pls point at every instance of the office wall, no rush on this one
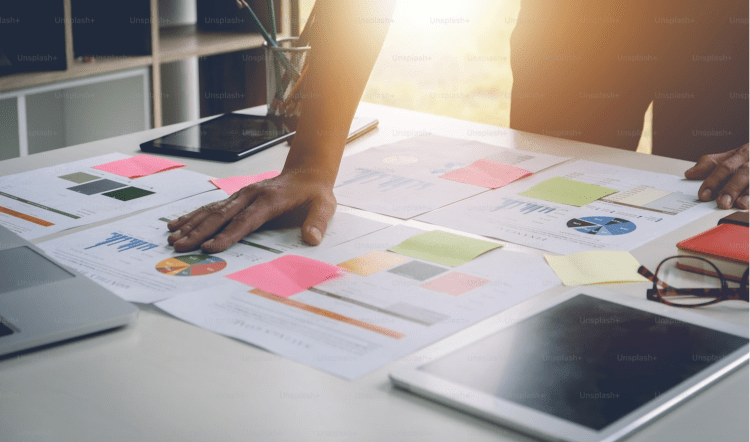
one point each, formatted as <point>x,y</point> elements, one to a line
<point>8,129</point>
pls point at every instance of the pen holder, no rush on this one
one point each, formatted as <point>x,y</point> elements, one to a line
<point>284,67</point>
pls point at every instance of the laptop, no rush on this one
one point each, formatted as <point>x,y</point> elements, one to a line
<point>43,302</point>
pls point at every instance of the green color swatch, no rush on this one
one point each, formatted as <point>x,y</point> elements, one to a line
<point>565,191</point>
<point>79,177</point>
<point>128,193</point>
<point>444,248</point>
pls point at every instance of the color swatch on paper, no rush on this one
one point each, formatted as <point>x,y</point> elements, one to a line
<point>287,276</point>
<point>94,187</point>
<point>231,185</point>
<point>128,193</point>
<point>567,191</point>
<point>596,267</point>
<point>372,262</point>
<point>138,166</point>
<point>79,177</point>
<point>444,248</point>
<point>486,173</point>
<point>419,271</point>
<point>455,283</point>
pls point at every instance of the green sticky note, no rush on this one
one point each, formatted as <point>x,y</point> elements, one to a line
<point>596,267</point>
<point>444,248</point>
<point>565,191</point>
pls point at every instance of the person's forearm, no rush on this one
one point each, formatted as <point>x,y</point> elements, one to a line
<point>345,43</point>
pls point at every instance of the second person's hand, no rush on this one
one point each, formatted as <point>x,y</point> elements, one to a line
<point>217,226</point>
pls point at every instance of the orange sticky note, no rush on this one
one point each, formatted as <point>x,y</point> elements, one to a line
<point>233,184</point>
<point>372,262</point>
<point>486,173</point>
<point>288,275</point>
<point>138,166</point>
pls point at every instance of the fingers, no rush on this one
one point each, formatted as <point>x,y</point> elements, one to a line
<point>742,202</point>
<point>706,165</point>
<point>724,174</point>
<point>732,190</point>
<point>209,221</point>
<point>314,228</point>
<point>247,221</point>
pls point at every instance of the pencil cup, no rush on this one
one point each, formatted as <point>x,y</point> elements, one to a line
<point>284,68</point>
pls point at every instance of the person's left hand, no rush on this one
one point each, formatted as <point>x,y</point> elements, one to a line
<point>725,178</point>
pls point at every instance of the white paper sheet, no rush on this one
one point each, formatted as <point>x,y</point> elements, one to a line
<point>396,315</point>
<point>402,179</point>
<point>647,206</point>
<point>129,256</point>
<point>43,201</point>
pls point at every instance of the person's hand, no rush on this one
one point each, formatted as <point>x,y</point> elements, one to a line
<point>725,178</point>
<point>217,226</point>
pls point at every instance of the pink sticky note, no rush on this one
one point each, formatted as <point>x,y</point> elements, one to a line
<point>486,173</point>
<point>138,166</point>
<point>235,183</point>
<point>288,275</point>
<point>455,283</point>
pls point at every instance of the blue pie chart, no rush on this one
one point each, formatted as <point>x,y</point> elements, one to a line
<point>602,225</point>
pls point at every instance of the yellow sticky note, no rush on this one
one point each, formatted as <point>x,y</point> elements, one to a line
<point>372,262</point>
<point>596,267</point>
<point>567,191</point>
<point>444,248</point>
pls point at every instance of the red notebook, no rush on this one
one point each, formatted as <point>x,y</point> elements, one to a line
<point>726,245</point>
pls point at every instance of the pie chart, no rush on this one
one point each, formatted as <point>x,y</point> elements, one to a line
<point>191,265</point>
<point>602,225</point>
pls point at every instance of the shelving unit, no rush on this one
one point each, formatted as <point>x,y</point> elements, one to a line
<point>180,43</point>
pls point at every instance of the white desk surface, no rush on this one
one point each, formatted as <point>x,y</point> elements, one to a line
<point>163,379</point>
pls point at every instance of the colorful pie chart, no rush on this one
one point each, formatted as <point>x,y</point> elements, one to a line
<point>191,265</point>
<point>602,225</point>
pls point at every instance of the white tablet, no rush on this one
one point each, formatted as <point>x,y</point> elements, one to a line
<point>591,365</point>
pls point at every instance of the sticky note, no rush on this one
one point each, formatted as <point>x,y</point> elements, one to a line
<point>287,276</point>
<point>232,184</point>
<point>444,248</point>
<point>455,283</point>
<point>486,173</point>
<point>567,191</point>
<point>372,262</point>
<point>596,267</point>
<point>138,166</point>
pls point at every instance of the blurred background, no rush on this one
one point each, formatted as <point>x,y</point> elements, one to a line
<point>462,67</point>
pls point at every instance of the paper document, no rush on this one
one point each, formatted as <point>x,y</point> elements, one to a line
<point>384,309</point>
<point>231,185</point>
<point>52,199</point>
<point>131,257</point>
<point>646,205</point>
<point>403,180</point>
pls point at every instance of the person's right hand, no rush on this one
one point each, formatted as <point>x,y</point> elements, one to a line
<point>725,177</point>
<point>217,226</point>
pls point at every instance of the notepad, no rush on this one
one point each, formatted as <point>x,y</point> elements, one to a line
<point>138,166</point>
<point>596,267</point>
<point>288,275</point>
<point>444,248</point>
<point>567,191</point>
<point>486,173</point>
<point>231,185</point>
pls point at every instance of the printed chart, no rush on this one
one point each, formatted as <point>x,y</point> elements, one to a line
<point>602,225</point>
<point>191,265</point>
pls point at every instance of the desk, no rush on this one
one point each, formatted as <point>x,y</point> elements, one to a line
<point>163,379</point>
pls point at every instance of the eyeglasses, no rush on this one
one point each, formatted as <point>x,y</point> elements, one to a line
<point>692,281</point>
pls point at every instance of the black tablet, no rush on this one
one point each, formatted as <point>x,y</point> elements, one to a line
<point>232,137</point>
<point>229,137</point>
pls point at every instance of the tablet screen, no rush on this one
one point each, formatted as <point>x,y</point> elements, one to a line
<point>586,360</point>
<point>231,133</point>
